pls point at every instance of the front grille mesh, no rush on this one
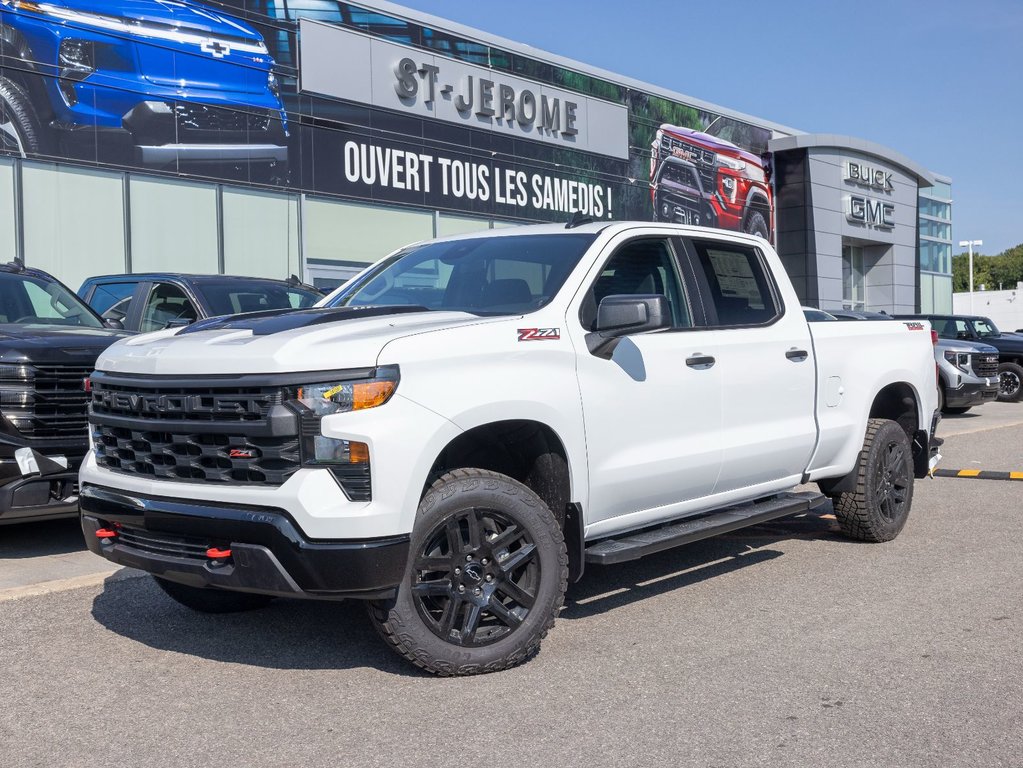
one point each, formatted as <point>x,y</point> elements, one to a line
<point>200,117</point>
<point>163,543</point>
<point>45,401</point>
<point>985,366</point>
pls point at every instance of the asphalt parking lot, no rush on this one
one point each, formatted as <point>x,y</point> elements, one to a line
<point>780,645</point>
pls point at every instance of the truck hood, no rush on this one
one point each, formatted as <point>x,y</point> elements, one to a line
<point>182,15</point>
<point>286,341</point>
<point>712,143</point>
<point>54,344</point>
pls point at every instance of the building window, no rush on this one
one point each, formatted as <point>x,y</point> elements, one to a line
<point>260,233</point>
<point>7,244</point>
<point>74,221</point>
<point>174,226</point>
<point>853,296</point>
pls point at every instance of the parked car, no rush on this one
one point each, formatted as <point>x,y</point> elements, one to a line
<point>49,341</point>
<point>981,330</point>
<point>151,301</point>
<point>454,433</point>
<point>814,315</point>
<point>146,83</point>
<point>968,374</point>
<point>858,314</point>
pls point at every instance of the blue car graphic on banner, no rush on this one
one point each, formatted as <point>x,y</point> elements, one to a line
<point>172,85</point>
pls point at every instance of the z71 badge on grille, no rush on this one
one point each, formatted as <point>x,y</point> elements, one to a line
<point>539,334</point>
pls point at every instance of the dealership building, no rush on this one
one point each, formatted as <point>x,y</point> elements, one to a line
<point>312,137</point>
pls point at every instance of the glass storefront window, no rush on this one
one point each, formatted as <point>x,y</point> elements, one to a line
<point>937,229</point>
<point>853,295</point>
<point>74,221</point>
<point>173,226</point>
<point>260,233</point>
<point>459,225</point>
<point>7,243</point>
<point>352,234</point>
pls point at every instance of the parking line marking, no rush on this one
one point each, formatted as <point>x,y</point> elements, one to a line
<point>978,474</point>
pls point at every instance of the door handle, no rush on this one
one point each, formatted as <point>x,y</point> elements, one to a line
<point>796,355</point>
<point>700,361</point>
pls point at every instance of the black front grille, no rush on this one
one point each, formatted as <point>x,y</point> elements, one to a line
<point>233,404</point>
<point>702,158</point>
<point>225,434</point>
<point>225,458</point>
<point>45,401</point>
<point>985,366</point>
<point>163,543</point>
<point>200,117</point>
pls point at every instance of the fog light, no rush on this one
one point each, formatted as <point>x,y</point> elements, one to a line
<point>77,61</point>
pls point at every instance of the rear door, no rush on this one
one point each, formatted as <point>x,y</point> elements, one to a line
<point>764,358</point>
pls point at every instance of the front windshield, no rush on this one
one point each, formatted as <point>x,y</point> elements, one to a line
<point>29,300</point>
<point>233,297</point>
<point>503,275</point>
<point>985,328</point>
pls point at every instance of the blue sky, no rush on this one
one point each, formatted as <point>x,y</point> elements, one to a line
<point>939,81</point>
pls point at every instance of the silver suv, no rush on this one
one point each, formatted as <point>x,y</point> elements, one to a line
<point>968,374</point>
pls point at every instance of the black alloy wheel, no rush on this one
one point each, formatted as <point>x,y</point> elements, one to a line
<point>475,578</point>
<point>892,481</point>
<point>1010,382</point>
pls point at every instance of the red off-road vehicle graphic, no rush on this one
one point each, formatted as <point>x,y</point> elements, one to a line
<point>701,179</point>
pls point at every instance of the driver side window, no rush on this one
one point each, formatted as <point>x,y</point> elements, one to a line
<point>640,267</point>
<point>167,304</point>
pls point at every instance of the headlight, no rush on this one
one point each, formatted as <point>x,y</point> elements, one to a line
<point>960,360</point>
<point>730,162</point>
<point>329,397</point>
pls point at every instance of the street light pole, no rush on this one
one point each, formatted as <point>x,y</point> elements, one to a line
<point>969,244</point>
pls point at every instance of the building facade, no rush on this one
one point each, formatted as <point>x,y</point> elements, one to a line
<point>312,137</point>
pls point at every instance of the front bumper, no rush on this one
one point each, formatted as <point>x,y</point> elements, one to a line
<point>269,553</point>
<point>969,395</point>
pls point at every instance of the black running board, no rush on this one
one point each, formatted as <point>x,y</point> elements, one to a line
<point>632,546</point>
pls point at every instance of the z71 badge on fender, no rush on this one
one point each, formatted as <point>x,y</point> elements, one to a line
<point>539,334</point>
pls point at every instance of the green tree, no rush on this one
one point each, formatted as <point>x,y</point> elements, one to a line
<point>1005,269</point>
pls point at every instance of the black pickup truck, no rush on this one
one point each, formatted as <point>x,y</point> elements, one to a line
<point>152,301</point>
<point>49,342</point>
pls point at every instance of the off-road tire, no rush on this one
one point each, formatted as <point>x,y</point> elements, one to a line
<point>756,223</point>
<point>212,600</point>
<point>422,621</point>
<point>877,509</point>
<point>1010,382</point>
<point>16,108</point>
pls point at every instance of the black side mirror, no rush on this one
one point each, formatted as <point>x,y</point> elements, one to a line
<point>179,322</point>
<point>113,323</point>
<point>624,315</point>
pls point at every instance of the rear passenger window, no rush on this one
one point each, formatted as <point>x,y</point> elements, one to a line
<point>741,292</point>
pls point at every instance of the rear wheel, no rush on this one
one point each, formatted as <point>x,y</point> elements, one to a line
<point>486,577</point>
<point>877,508</point>
<point>1010,382</point>
<point>212,600</point>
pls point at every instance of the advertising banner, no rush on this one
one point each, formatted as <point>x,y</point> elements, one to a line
<point>334,99</point>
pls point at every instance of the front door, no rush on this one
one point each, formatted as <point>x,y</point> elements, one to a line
<point>652,416</point>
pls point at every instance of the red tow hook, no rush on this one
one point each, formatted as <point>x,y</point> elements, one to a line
<point>213,553</point>
<point>106,533</point>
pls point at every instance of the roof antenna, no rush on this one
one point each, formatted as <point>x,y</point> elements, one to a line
<point>578,219</point>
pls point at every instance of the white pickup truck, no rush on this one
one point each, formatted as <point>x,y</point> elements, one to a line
<point>454,433</point>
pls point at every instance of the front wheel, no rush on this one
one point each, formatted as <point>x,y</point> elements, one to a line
<point>1010,382</point>
<point>21,131</point>
<point>877,508</point>
<point>486,577</point>
<point>756,224</point>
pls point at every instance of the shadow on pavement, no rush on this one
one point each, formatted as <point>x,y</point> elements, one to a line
<point>297,634</point>
<point>604,588</point>
<point>288,634</point>
<point>50,537</point>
